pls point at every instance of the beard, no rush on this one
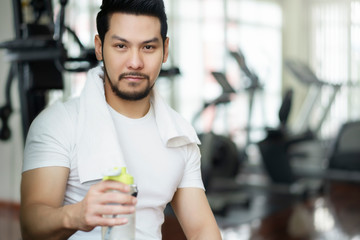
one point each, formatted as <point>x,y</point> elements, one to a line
<point>130,95</point>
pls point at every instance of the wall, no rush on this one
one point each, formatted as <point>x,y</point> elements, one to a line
<point>11,151</point>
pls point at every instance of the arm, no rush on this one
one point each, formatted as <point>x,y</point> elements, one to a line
<point>43,215</point>
<point>194,214</point>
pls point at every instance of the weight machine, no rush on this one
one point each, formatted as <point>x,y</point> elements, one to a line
<point>38,59</point>
<point>221,160</point>
<point>296,159</point>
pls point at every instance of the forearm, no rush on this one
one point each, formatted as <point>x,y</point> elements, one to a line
<point>208,230</point>
<point>39,221</point>
<point>210,233</point>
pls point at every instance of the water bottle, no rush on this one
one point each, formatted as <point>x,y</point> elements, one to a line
<point>125,231</point>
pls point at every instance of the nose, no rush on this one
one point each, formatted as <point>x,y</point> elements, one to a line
<point>135,60</point>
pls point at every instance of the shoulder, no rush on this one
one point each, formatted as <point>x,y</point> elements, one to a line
<point>51,137</point>
<point>57,118</point>
<point>59,111</point>
<point>184,129</point>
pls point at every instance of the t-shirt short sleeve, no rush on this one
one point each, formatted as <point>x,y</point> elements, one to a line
<point>48,140</point>
<point>192,173</point>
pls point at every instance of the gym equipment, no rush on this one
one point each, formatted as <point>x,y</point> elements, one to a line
<point>38,58</point>
<point>274,148</point>
<point>220,159</point>
<point>312,145</point>
<point>253,86</point>
<point>345,154</point>
<point>306,76</point>
<point>219,153</point>
<point>6,110</point>
<point>342,160</point>
<point>278,151</point>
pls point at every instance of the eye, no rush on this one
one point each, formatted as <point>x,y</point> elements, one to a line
<point>149,47</point>
<point>121,46</point>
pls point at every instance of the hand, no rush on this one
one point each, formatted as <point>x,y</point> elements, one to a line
<point>100,200</point>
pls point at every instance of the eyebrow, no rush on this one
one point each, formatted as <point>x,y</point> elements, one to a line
<point>155,39</point>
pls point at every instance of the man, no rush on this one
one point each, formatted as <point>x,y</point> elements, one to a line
<point>119,120</point>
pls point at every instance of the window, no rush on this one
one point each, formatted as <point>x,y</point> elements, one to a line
<point>335,57</point>
<point>204,31</point>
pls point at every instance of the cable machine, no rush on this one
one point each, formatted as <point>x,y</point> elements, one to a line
<point>38,58</point>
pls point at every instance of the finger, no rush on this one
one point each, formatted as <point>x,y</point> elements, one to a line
<point>103,221</point>
<point>107,185</point>
<point>113,210</point>
<point>117,197</point>
<point>100,215</point>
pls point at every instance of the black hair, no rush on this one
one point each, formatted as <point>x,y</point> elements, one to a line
<point>153,8</point>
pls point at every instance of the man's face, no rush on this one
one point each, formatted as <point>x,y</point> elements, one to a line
<point>133,53</point>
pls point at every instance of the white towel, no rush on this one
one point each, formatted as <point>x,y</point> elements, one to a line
<point>97,143</point>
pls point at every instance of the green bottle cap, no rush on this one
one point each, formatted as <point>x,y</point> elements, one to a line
<point>120,176</point>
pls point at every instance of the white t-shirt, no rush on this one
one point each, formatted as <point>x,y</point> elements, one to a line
<point>158,169</point>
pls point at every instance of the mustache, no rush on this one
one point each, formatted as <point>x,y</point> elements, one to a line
<point>133,74</point>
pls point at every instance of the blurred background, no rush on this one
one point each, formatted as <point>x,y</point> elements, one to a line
<point>271,86</point>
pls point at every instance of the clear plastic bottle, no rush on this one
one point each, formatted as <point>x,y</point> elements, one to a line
<point>126,231</point>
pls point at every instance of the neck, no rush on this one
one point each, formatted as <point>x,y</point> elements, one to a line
<point>130,109</point>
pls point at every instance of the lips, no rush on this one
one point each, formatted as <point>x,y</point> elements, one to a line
<point>133,77</point>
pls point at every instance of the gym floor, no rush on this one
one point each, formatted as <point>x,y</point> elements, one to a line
<point>333,215</point>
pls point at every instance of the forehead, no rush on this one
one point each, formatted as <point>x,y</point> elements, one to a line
<point>134,26</point>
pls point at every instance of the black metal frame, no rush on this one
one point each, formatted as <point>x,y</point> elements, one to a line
<point>32,53</point>
<point>37,57</point>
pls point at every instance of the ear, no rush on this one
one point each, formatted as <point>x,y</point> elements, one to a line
<point>166,50</point>
<point>98,48</point>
